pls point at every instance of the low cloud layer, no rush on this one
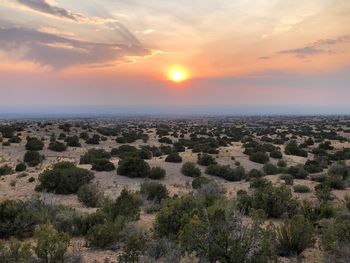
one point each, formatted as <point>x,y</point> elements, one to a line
<point>60,52</point>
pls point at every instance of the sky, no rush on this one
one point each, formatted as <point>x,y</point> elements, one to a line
<point>246,56</point>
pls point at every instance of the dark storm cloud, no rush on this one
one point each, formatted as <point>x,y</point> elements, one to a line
<point>44,7</point>
<point>60,52</point>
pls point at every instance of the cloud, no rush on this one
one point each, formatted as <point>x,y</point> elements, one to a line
<point>304,51</point>
<point>44,7</point>
<point>61,51</point>
<point>321,46</point>
<point>264,57</point>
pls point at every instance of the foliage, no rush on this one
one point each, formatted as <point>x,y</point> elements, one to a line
<point>226,172</point>
<point>133,167</point>
<point>90,195</point>
<point>5,170</point>
<point>64,178</point>
<point>57,146</point>
<point>50,244</point>
<point>190,169</point>
<point>198,182</point>
<point>270,169</point>
<point>294,236</point>
<point>157,173</point>
<point>154,191</point>
<point>301,188</point>
<point>34,144</point>
<point>32,158</point>
<point>103,165</point>
<point>20,167</point>
<point>16,252</point>
<point>93,155</point>
<point>205,159</point>
<point>173,157</point>
<point>259,157</point>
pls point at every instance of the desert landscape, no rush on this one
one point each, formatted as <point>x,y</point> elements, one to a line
<point>77,176</point>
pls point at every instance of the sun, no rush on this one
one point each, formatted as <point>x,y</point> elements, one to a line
<point>177,74</point>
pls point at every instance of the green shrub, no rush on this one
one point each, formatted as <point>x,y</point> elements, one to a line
<point>298,172</point>
<point>154,191</point>
<point>258,182</point>
<point>90,195</point>
<point>34,144</point>
<point>288,179</point>
<point>198,182</point>
<point>16,252</point>
<point>32,158</point>
<point>292,148</point>
<point>134,246</point>
<point>57,146</point>
<point>93,155</point>
<point>281,163</point>
<point>133,167</point>
<point>276,154</point>
<point>126,205</point>
<point>301,189</point>
<point>323,192</point>
<point>205,159</point>
<point>173,157</point>
<point>226,172</point>
<point>50,245</point>
<point>339,169</point>
<point>103,165</point>
<point>157,173</point>
<point>255,173</point>
<point>64,178</point>
<point>294,236</point>
<point>73,141</point>
<point>106,234</point>
<point>190,169</point>
<point>21,167</point>
<point>5,170</point>
<point>259,157</point>
<point>270,169</point>
<point>335,182</point>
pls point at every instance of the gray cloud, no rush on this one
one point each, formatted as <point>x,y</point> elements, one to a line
<point>321,46</point>
<point>44,7</point>
<point>60,52</point>
<point>304,51</point>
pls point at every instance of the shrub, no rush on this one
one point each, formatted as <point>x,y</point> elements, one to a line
<point>21,167</point>
<point>339,169</point>
<point>50,245</point>
<point>31,179</point>
<point>335,182</point>
<point>205,159</point>
<point>34,144</point>
<point>293,149</point>
<point>198,182</point>
<point>313,166</point>
<point>73,141</point>
<point>288,179</point>
<point>275,201</point>
<point>5,170</point>
<point>255,173</point>
<point>190,169</point>
<point>157,173</point>
<point>276,154</point>
<point>64,178</point>
<point>103,165</point>
<point>173,157</point>
<point>93,155</point>
<point>301,189</point>
<point>281,163</point>
<point>106,234</point>
<point>259,157</point>
<point>134,247</point>
<point>294,236</point>
<point>226,172</point>
<point>16,252</point>
<point>270,169</point>
<point>90,195</point>
<point>153,191</point>
<point>298,172</point>
<point>133,167</point>
<point>323,192</point>
<point>32,158</point>
<point>126,205</point>
<point>57,146</point>
<point>258,182</point>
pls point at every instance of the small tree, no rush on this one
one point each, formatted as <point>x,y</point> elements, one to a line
<point>157,173</point>
<point>50,245</point>
<point>173,157</point>
<point>133,167</point>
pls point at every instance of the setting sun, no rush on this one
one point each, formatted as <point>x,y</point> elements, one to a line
<point>177,74</point>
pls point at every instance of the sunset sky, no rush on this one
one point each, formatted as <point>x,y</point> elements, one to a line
<point>241,54</point>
